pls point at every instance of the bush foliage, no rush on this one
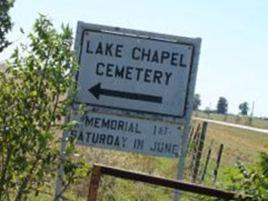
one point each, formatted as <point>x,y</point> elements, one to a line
<point>32,104</point>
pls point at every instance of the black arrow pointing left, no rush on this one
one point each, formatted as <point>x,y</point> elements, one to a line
<point>96,91</point>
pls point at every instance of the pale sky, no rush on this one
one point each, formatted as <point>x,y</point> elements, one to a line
<point>233,61</point>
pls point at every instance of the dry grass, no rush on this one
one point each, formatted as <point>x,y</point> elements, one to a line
<point>238,144</point>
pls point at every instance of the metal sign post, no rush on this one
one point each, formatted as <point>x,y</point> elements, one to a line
<point>60,173</point>
<point>181,161</point>
<point>189,109</point>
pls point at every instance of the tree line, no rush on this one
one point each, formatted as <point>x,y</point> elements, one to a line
<point>222,106</point>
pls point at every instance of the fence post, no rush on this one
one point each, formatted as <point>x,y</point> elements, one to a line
<point>199,151</point>
<point>207,162</point>
<point>94,183</point>
<point>218,163</point>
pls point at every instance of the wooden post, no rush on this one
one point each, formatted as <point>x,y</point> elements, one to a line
<point>206,165</point>
<point>207,162</point>
<point>199,151</point>
<point>94,183</point>
<point>218,163</point>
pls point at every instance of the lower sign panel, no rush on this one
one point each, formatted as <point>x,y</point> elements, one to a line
<point>127,134</point>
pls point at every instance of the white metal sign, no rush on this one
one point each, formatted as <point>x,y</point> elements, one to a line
<point>137,73</point>
<point>134,72</point>
<point>127,134</point>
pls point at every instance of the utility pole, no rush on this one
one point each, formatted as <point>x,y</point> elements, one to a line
<point>252,113</point>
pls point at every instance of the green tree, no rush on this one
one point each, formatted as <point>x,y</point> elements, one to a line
<point>196,101</point>
<point>222,105</point>
<point>5,22</point>
<point>243,107</point>
<point>32,104</point>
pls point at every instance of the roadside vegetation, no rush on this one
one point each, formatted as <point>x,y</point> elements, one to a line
<point>36,79</point>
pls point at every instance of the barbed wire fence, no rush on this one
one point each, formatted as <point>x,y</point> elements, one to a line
<point>204,156</point>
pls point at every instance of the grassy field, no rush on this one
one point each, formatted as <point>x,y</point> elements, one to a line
<point>243,120</point>
<point>238,145</point>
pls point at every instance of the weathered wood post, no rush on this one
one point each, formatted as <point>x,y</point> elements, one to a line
<point>207,162</point>
<point>218,163</point>
<point>94,183</point>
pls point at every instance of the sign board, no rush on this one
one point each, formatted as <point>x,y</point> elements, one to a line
<point>144,74</point>
<point>127,134</point>
<point>134,71</point>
